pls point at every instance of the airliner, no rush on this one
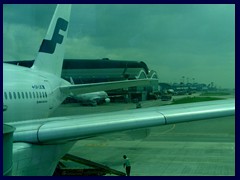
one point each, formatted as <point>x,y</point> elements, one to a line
<point>93,98</point>
<point>30,95</point>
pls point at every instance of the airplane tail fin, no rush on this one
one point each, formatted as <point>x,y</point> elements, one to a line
<point>51,53</point>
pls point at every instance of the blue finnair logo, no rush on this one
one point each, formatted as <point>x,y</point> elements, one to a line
<point>48,46</point>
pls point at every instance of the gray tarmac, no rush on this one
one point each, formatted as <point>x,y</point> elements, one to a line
<point>199,148</point>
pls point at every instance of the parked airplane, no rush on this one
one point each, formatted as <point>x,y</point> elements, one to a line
<point>31,94</point>
<point>92,99</point>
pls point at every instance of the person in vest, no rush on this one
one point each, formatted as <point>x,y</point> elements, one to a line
<point>127,165</point>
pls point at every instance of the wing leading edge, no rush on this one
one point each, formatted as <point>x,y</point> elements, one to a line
<point>78,127</point>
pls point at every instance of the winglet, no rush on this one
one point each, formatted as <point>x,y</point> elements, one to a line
<point>51,53</point>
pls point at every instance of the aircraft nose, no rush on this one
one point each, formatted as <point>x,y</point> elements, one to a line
<point>107,100</point>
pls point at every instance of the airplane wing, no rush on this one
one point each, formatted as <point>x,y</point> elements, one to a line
<point>94,87</point>
<point>78,127</point>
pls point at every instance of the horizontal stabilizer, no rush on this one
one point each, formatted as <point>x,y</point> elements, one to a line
<point>95,87</point>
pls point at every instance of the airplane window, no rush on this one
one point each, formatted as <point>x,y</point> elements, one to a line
<point>30,95</point>
<point>26,95</point>
<point>19,97</point>
<point>45,94</point>
<point>5,95</point>
<point>14,95</point>
<point>40,94</point>
<point>34,95</point>
<point>37,94</point>
<point>22,95</point>
<point>10,95</point>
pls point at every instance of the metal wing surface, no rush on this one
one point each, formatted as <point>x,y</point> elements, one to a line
<point>78,127</point>
<point>94,87</point>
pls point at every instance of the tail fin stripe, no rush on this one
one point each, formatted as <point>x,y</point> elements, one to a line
<point>48,46</point>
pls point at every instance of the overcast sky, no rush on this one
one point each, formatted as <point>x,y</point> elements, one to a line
<point>195,41</point>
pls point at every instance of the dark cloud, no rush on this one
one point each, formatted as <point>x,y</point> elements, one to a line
<point>28,14</point>
<point>175,40</point>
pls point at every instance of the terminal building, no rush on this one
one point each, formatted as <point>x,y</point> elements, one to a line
<point>84,71</point>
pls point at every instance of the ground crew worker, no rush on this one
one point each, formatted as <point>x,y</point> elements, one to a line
<point>127,165</point>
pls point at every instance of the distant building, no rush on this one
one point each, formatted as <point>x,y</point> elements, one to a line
<point>103,70</point>
<point>188,88</point>
<point>163,87</point>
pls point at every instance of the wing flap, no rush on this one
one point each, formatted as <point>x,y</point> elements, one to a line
<point>78,127</point>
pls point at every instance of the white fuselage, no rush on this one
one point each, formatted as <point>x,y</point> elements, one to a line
<point>29,94</point>
<point>93,98</point>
